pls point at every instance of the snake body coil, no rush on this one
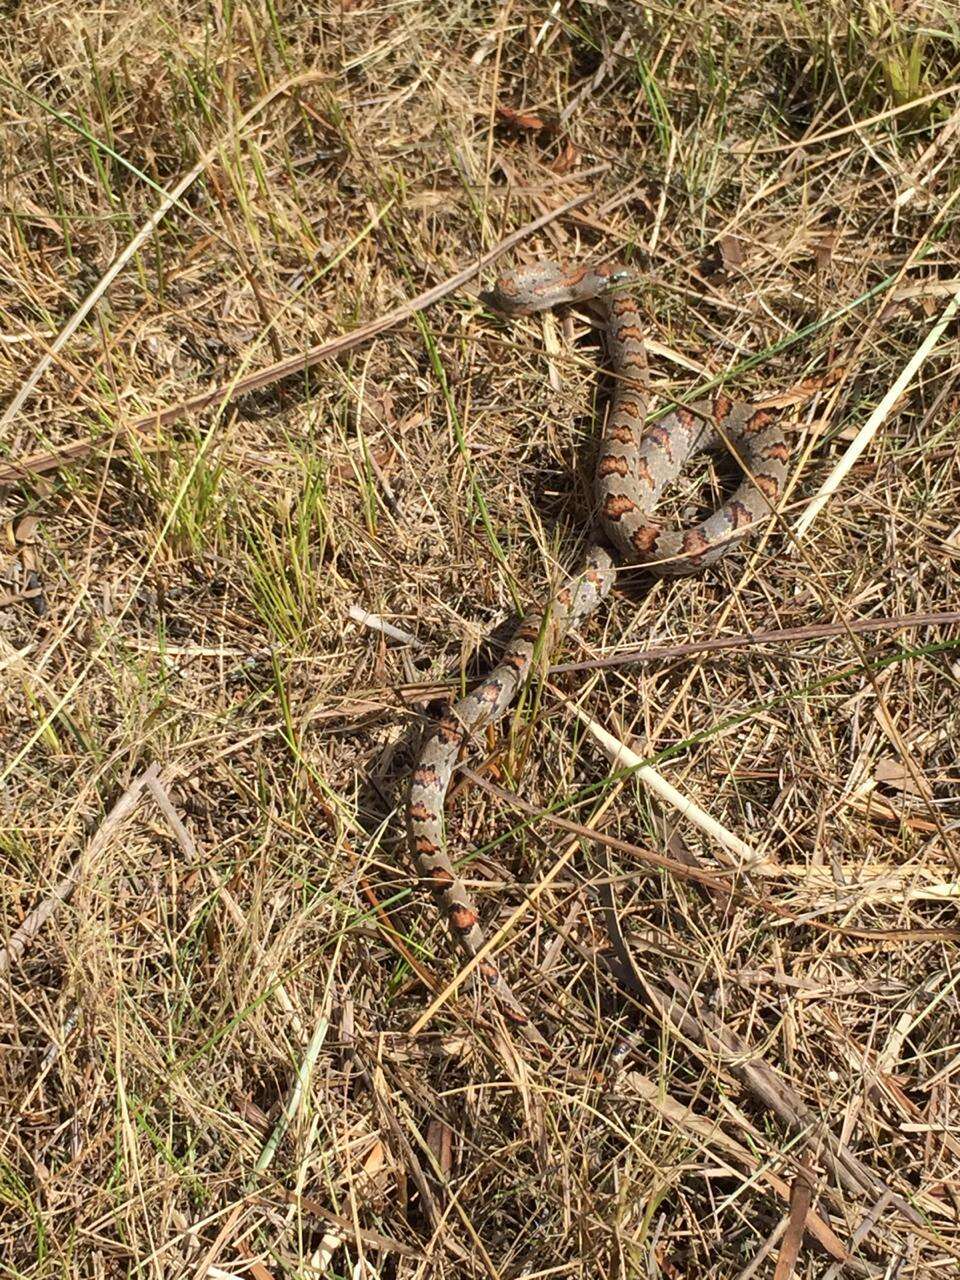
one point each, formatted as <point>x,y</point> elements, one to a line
<point>637,460</point>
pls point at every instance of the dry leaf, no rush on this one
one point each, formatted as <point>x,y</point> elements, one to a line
<point>823,250</point>
<point>521,119</point>
<point>894,773</point>
<point>25,529</point>
<point>440,1142</point>
<point>731,251</point>
<point>567,159</point>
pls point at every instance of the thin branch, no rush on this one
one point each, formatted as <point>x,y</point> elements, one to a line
<point>170,199</point>
<point>37,918</point>
<point>226,392</point>
<point>786,635</point>
<point>876,419</point>
<point>717,881</point>
<point>621,757</point>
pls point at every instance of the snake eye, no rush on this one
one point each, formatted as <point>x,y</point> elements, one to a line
<point>616,278</point>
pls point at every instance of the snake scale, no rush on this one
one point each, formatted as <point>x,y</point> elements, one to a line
<point>637,461</point>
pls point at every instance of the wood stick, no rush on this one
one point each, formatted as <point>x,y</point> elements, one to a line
<point>876,419</point>
<point>170,198</point>
<point>744,856</point>
<point>37,918</point>
<point>786,635</point>
<point>225,392</point>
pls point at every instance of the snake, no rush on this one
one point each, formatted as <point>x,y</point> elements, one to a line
<point>638,459</point>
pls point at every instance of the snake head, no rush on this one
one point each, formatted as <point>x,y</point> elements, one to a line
<point>538,286</point>
<point>535,286</point>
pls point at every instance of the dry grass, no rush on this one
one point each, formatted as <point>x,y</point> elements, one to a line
<point>207,1040</point>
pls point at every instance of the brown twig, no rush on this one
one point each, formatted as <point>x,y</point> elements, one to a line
<point>716,880</point>
<point>682,1009</point>
<point>37,918</point>
<point>226,392</point>
<point>714,1139</point>
<point>801,1197</point>
<point>786,635</point>
<point>373,1239</point>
